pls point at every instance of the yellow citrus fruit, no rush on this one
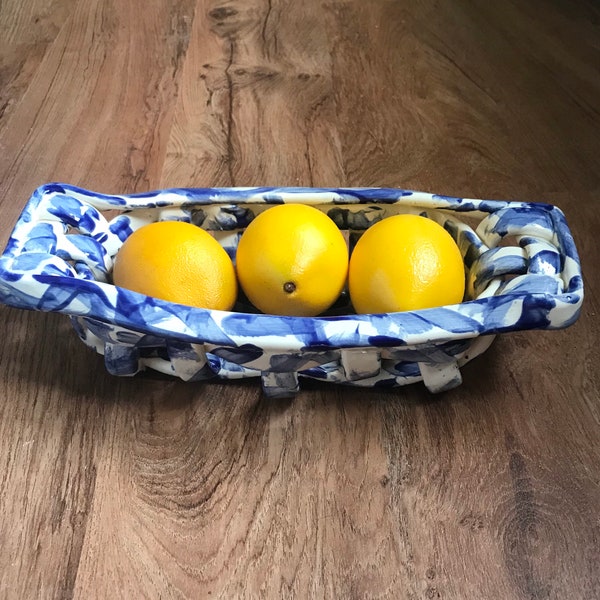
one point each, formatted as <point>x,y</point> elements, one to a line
<point>178,262</point>
<point>405,262</point>
<point>292,260</point>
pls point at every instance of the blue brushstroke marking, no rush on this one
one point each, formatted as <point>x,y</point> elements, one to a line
<point>421,322</point>
<point>11,246</point>
<point>316,372</point>
<point>30,262</point>
<point>345,218</point>
<point>74,213</point>
<point>535,312</point>
<point>248,325</point>
<point>45,270</point>
<point>9,275</point>
<point>545,261</point>
<point>90,247</point>
<point>383,341</point>
<point>245,353</point>
<point>83,271</point>
<point>565,238</point>
<point>366,195</point>
<point>487,206</point>
<point>297,361</point>
<point>404,369</point>
<point>214,362</point>
<point>42,238</point>
<point>534,284</point>
<point>233,217</point>
<point>548,260</point>
<point>56,298</point>
<point>497,318</point>
<point>575,284</point>
<point>54,188</point>
<point>121,227</point>
<point>121,360</point>
<point>273,198</point>
<point>88,294</point>
<point>491,267</point>
<point>522,217</point>
<point>63,188</point>
<point>449,199</point>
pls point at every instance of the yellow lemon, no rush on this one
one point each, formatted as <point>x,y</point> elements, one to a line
<point>292,260</point>
<point>405,262</point>
<point>178,262</point>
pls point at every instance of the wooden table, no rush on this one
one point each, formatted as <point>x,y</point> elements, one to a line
<point>154,488</point>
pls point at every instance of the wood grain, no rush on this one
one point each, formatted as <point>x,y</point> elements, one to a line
<point>153,488</point>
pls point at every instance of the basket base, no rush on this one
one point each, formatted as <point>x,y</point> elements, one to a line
<point>127,352</point>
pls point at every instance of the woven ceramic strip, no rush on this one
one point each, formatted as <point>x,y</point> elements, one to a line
<point>522,269</point>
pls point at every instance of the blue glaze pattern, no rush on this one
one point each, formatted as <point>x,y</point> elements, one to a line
<point>522,270</point>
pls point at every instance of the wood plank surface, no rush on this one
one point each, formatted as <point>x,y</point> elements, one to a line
<point>154,488</point>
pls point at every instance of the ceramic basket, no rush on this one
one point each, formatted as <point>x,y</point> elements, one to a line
<point>522,270</point>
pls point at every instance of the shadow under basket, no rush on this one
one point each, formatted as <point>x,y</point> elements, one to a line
<point>521,264</point>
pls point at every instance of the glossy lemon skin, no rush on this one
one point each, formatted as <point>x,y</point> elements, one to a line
<point>405,262</point>
<point>178,262</point>
<point>292,260</point>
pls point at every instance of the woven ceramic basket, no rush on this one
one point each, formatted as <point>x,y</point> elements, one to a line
<point>522,267</point>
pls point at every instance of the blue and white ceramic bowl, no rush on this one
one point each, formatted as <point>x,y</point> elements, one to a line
<point>523,272</point>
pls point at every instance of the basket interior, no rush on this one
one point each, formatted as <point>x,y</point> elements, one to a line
<point>226,224</point>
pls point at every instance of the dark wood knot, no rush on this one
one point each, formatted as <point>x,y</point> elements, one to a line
<point>222,12</point>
